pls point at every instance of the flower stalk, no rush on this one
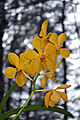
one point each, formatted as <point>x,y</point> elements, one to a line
<point>27,99</point>
<point>43,90</point>
<point>23,105</point>
<point>27,76</point>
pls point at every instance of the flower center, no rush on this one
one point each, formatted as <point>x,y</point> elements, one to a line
<point>19,70</point>
<point>43,58</point>
<point>57,49</point>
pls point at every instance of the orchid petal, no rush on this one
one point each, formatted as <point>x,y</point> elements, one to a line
<point>20,79</point>
<point>61,38</point>
<point>10,72</point>
<point>53,39</point>
<point>13,59</point>
<point>37,44</point>
<point>64,52</point>
<point>43,29</point>
<point>44,81</point>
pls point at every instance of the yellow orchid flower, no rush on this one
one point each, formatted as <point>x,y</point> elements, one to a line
<point>21,68</point>
<point>44,59</point>
<point>54,96</point>
<point>43,34</point>
<point>62,37</point>
<point>49,75</point>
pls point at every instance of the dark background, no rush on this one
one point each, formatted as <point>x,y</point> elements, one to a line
<point>20,22</point>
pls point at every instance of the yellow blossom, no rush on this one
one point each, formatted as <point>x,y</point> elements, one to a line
<point>21,67</point>
<point>49,75</point>
<point>43,59</point>
<point>62,37</point>
<point>52,38</point>
<point>54,96</point>
<point>43,34</point>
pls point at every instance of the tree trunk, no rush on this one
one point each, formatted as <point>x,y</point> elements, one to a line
<point>64,60</point>
<point>2,27</point>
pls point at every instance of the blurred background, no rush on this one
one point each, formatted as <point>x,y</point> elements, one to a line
<point>20,22</point>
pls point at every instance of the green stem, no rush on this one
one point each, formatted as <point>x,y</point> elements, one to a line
<point>28,98</point>
<point>23,105</point>
<point>35,81</point>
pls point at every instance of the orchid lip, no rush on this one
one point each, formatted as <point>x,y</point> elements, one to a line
<point>19,71</point>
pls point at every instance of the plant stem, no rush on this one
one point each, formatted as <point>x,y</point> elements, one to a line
<point>27,76</point>
<point>27,99</point>
<point>23,105</point>
<point>35,81</point>
<point>43,90</point>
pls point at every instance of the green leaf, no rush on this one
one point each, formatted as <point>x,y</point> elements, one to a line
<point>16,119</point>
<point>33,108</point>
<point>5,98</point>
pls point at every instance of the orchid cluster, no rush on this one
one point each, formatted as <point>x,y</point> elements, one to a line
<point>44,57</point>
